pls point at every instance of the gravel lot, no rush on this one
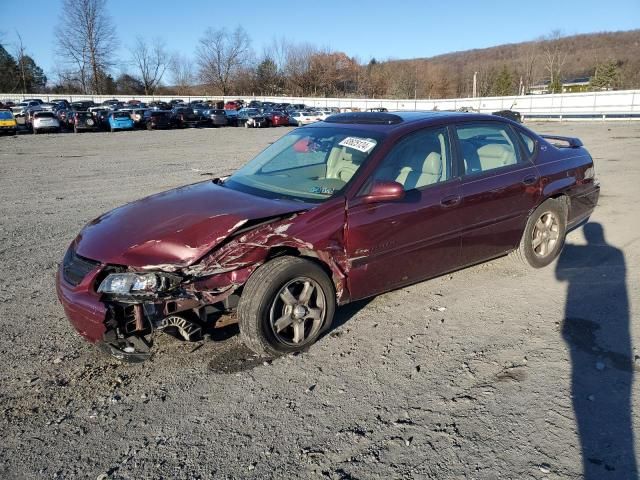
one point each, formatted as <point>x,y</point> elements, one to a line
<point>492,372</point>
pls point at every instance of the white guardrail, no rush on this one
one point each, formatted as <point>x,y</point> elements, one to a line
<point>610,105</point>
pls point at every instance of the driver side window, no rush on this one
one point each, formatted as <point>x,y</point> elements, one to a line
<point>418,160</point>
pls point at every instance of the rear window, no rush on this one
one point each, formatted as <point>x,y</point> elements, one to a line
<point>44,115</point>
<point>5,115</point>
<point>120,115</point>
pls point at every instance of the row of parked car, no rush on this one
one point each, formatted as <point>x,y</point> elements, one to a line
<point>37,116</point>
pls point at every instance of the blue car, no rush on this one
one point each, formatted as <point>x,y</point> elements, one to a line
<point>120,121</point>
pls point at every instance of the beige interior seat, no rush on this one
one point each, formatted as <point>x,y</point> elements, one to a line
<point>427,172</point>
<point>343,165</point>
<point>496,155</point>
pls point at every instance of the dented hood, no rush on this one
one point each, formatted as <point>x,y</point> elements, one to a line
<point>175,227</point>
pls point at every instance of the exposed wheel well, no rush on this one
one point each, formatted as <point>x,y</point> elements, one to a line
<point>294,252</point>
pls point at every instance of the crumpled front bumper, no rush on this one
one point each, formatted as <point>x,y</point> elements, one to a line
<point>82,305</point>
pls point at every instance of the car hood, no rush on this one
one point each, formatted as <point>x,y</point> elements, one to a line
<point>176,227</point>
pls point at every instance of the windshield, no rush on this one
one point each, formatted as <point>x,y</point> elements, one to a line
<point>4,115</point>
<point>309,164</point>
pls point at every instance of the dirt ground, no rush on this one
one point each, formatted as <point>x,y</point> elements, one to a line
<point>493,372</point>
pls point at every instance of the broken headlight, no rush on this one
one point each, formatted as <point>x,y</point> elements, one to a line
<point>138,283</point>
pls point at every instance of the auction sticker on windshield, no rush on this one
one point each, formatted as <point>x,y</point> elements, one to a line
<point>363,145</point>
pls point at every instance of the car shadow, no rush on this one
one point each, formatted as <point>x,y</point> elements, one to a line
<point>597,332</point>
<point>232,356</point>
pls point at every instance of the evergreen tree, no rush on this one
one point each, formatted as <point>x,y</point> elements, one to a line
<point>8,71</point>
<point>504,83</point>
<point>606,76</point>
<point>129,85</point>
<point>31,77</point>
<point>267,77</point>
<point>556,85</point>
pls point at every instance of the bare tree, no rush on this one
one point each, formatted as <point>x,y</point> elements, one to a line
<point>554,60</point>
<point>277,51</point>
<point>151,61</point>
<point>298,67</point>
<point>527,61</point>
<point>221,55</point>
<point>182,76</point>
<point>85,39</point>
<point>20,57</point>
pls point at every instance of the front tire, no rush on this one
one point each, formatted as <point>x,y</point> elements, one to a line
<point>285,306</point>
<point>544,235</point>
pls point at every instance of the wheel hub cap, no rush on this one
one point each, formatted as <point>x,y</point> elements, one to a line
<point>545,235</point>
<point>299,311</point>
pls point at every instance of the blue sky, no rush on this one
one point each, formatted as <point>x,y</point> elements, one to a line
<point>381,29</point>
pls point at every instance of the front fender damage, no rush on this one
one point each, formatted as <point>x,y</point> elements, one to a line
<point>213,284</point>
<point>235,261</point>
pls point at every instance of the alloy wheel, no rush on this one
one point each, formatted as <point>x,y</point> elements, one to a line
<point>298,311</point>
<point>545,234</point>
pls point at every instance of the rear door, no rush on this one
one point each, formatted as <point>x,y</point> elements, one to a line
<point>500,186</point>
<point>390,244</point>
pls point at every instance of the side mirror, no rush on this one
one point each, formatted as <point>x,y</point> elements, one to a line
<point>384,191</point>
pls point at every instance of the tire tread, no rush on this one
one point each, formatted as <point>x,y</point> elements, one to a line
<point>253,296</point>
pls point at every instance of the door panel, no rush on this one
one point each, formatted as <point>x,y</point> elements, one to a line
<point>499,189</point>
<point>397,243</point>
<point>494,213</point>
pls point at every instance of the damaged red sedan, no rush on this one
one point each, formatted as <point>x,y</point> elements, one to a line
<point>337,211</point>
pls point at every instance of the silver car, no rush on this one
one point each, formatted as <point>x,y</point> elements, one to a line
<point>45,121</point>
<point>218,117</point>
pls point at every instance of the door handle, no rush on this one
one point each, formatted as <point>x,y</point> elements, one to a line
<point>450,201</point>
<point>529,180</point>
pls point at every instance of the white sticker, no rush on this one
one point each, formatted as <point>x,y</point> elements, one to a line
<point>361,144</point>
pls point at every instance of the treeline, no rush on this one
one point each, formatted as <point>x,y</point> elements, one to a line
<point>224,63</point>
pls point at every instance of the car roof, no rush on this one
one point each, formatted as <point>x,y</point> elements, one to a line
<point>399,120</point>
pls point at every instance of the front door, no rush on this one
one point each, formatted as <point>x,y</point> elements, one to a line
<point>390,244</point>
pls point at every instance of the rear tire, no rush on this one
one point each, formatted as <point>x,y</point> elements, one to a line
<point>544,235</point>
<point>286,305</point>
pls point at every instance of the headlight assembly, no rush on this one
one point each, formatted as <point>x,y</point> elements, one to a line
<point>138,283</point>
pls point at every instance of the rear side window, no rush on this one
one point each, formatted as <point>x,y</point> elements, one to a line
<point>486,147</point>
<point>529,143</point>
